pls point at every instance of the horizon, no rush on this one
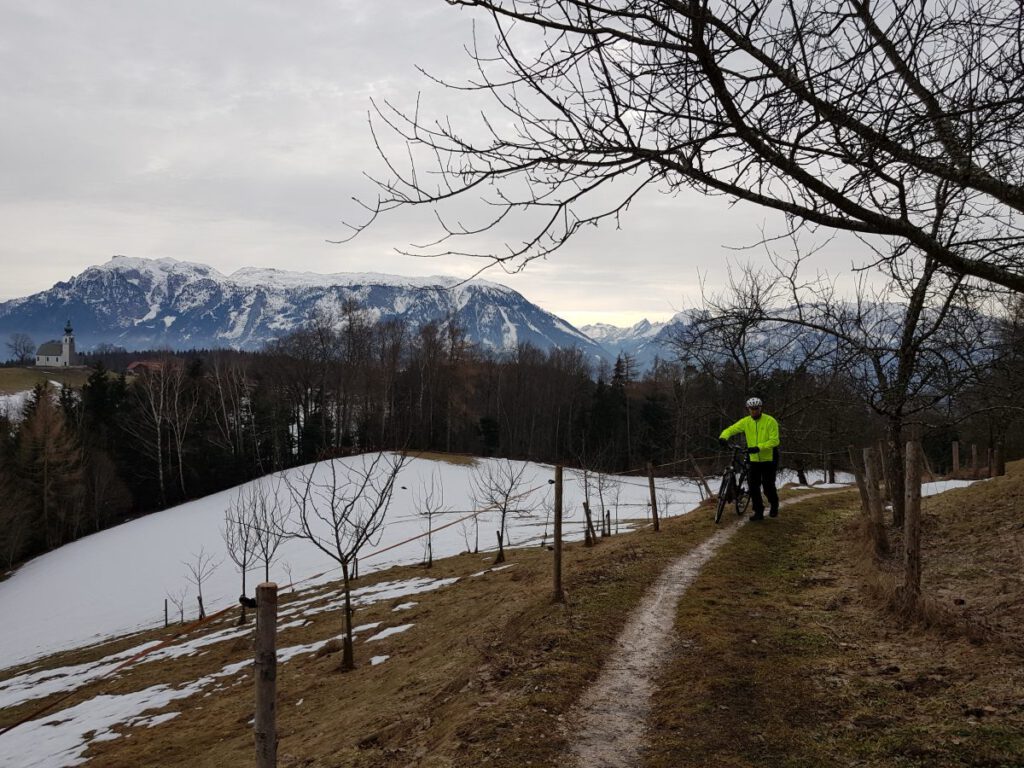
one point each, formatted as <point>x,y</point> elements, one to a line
<point>578,319</point>
<point>244,142</point>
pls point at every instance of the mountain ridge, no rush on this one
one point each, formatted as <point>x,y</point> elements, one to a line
<point>149,303</point>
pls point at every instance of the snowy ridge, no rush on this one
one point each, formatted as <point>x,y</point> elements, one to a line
<point>150,303</point>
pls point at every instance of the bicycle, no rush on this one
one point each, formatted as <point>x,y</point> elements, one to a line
<point>734,487</point>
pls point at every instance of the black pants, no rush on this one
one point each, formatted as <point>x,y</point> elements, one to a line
<point>762,474</point>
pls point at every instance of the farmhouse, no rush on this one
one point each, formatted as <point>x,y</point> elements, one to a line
<point>59,354</point>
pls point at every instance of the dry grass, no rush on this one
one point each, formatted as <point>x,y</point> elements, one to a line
<point>786,658</point>
<point>459,459</point>
<point>783,658</point>
<point>21,379</point>
<point>484,677</point>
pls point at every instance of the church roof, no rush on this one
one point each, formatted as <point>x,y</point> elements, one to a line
<point>50,348</point>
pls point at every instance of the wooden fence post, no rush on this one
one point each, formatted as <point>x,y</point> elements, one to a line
<point>654,497</point>
<point>956,457</point>
<point>265,723</point>
<point>858,475</point>
<point>1000,460</point>
<point>875,524</point>
<point>166,623</point>
<point>912,527</point>
<point>559,594</point>
<point>989,460</point>
<point>974,461</point>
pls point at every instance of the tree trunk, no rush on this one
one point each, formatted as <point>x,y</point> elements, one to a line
<point>654,497</point>
<point>876,526</point>
<point>588,530</point>
<point>862,487</point>
<point>348,661</point>
<point>896,471</point>
<point>559,595</point>
<point>501,549</point>
<point>912,528</point>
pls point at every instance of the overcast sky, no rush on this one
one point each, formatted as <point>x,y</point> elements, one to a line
<point>234,133</point>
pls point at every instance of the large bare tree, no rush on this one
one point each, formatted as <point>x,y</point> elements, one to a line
<point>896,121</point>
<point>21,347</point>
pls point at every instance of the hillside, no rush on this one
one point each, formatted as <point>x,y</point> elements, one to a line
<point>786,654</point>
<point>17,380</point>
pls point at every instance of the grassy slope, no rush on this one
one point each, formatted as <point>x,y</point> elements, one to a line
<point>490,671</point>
<point>484,676</point>
<point>784,661</point>
<point>20,379</point>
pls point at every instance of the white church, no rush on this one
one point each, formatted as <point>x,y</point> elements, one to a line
<point>59,354</point>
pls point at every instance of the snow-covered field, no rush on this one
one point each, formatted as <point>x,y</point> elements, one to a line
<point>115,582</point>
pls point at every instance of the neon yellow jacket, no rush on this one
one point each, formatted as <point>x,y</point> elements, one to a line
<point>762,434</point>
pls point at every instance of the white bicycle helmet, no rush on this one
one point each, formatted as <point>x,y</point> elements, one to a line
<point>754,402</point>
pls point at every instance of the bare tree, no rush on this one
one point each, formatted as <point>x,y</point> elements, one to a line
<point>200,568</point>
<point>239,534</point>
<point>891,120</point>
<point>21,347</point>
<point>269,519</point>
<point>151,394</point>
<point>428,502</point>
<point>183,406</point>
<point>340,507</point>
<point>178,598</point>
<point>496,485</point>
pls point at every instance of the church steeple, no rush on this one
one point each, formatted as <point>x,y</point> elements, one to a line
<point>68,354</point>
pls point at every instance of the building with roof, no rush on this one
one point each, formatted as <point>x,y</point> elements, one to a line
<point>59,354</point>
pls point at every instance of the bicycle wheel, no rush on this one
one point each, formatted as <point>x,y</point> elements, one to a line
<point>723,495</point>
<point>742,495</point>
<point>742,502</point>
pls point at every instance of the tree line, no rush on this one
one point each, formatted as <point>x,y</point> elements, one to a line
<point>188,424</point>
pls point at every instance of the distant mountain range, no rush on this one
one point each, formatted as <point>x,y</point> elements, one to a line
<point>164,303</point>
<point>643,342</point>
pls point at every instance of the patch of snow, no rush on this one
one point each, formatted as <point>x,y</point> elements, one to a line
<point>489,570</point>
<point>375,660</point>
<point>364,627</point>
<point>404,607</point>
<point>40,684</point>
<point>939,486</point>
<point>389,632</point>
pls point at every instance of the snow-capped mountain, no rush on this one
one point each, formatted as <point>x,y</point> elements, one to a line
<point>640,341</point>
<point>143,304</point>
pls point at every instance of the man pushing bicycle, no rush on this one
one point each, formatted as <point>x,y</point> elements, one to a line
<point>762,434</point>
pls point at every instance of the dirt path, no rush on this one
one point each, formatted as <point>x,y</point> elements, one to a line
<point>610,719</point>
<point>609,722</point>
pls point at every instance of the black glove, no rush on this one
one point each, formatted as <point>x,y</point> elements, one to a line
<point>723,442</point>
<point>752,451</point>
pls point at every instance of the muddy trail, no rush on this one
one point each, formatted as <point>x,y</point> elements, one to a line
<point>610,721</point>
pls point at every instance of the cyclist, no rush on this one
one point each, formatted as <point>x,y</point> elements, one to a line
<point>762,433</point>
